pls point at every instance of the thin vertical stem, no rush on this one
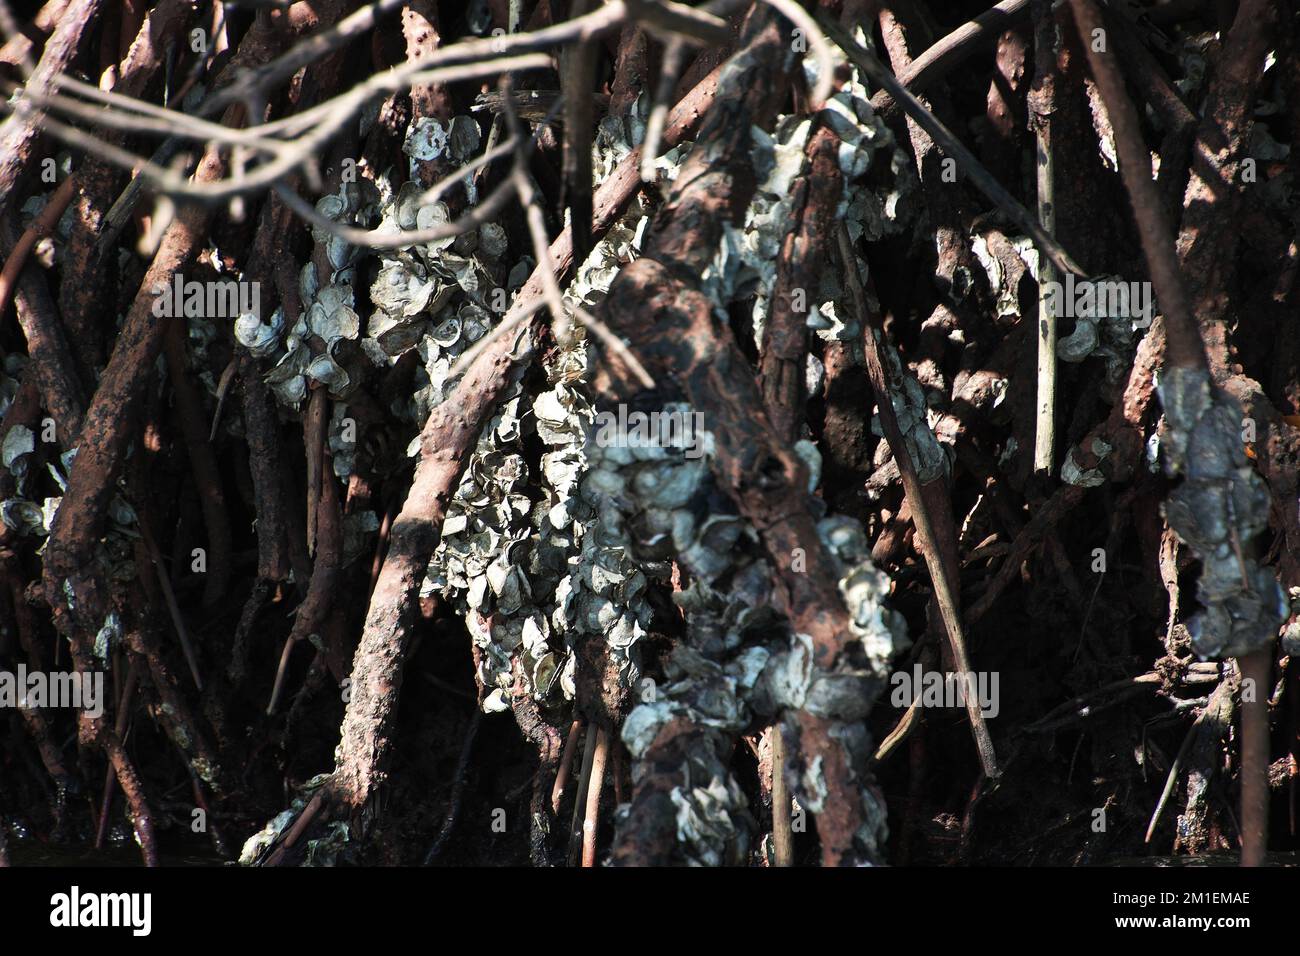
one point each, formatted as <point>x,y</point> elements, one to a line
<point>1256,667</point>
<point>591,822</point>
<point>1041,103</point>
<point>782,832</point>
<point>575,824</point>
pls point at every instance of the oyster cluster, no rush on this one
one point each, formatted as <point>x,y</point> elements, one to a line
<point>25,515</point>
<point>329,849</point>
<point>481,559</point>
<point>541,577</point>
<point>435,297</point>
<point>20,513</point>
<point>666,506</point>
<point>600,594</point>
<point>441,296</point>
<point>321,346</point>
<point>1109,315</point>
<point>1106,336</point>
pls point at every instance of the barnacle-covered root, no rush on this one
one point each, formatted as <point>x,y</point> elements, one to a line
<point>739,664</point>
<point>1218,509</point>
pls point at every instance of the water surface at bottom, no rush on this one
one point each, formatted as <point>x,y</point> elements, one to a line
<point>26,854</point>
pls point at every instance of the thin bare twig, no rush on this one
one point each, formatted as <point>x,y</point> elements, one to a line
<point>679,22</point>
<point>943,573</point>
<point>817,42</point>
<point>41,226</point>
<point>169,595</point>
<point>670,66</point>
<point>551,292</point>
<point>301,152</point>
<point>566,761</point>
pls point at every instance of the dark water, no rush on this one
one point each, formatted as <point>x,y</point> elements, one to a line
<point>35,854</point>
<point>28,854</point>
<point>1207,860</point>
